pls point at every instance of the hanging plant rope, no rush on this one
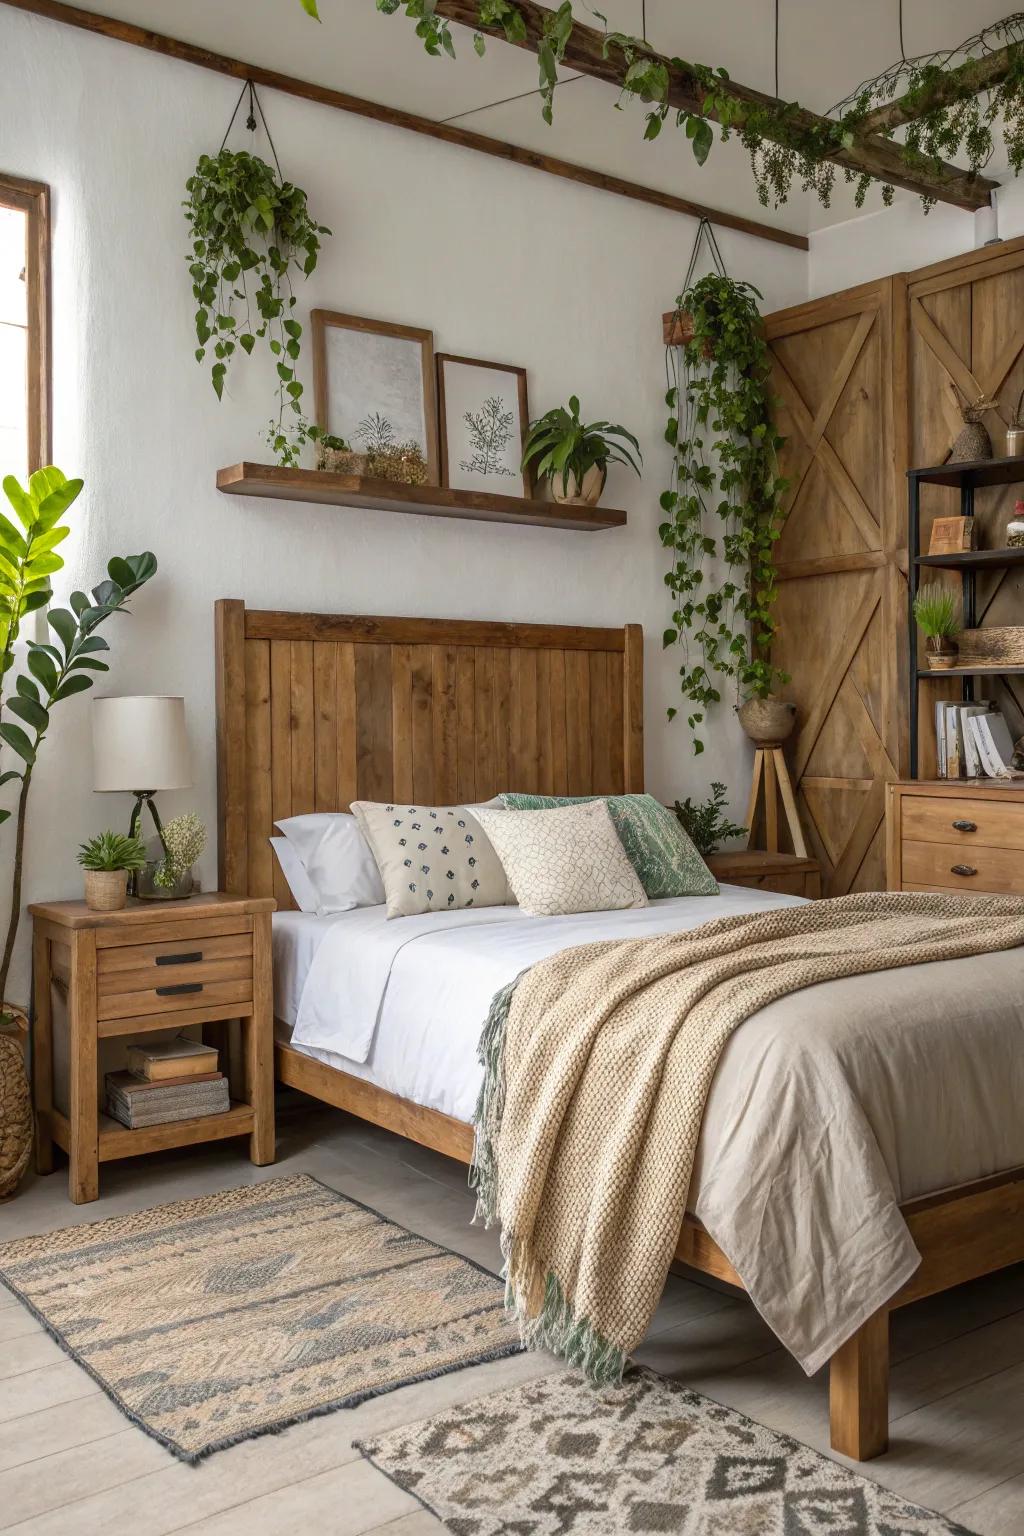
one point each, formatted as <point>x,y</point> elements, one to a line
<point>722,504</point>
<point>250,230</point>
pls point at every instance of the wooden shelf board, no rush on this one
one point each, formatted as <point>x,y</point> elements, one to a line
<point>976,559</point>
<point>319,486</point>
<point>118,1141</point>
<point>981,671</point>
<point>976,472</point>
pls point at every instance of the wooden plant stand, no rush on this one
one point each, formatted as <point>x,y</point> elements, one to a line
<point>772,776</point>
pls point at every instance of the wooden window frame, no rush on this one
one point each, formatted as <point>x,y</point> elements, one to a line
<point>33,198</point>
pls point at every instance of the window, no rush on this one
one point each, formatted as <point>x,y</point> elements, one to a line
<point>24,327</point>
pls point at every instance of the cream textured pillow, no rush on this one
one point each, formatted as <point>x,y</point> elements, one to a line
<point>432,858</point>
<point>565,860</point>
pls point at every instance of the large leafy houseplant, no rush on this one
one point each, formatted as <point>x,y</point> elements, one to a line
<point>723,499</point>
<point>562,448</point>
<point>251,230</point>
<point>59,667</point>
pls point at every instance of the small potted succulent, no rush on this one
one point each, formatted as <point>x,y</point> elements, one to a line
<point>108,859</point>
<point>937,611</point>
<point>573,456</point>
<point>167,870</point>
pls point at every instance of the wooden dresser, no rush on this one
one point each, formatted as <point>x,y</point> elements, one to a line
<point>956,835</point>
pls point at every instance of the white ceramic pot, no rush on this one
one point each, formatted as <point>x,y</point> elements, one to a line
<point>575,495</point>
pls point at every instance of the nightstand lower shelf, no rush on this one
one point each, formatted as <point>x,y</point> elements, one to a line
<point>117,1141</point>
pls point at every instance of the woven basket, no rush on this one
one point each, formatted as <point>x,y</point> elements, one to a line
<point>990,647</point>
<point>15,1106</point>
<point>106,890</point>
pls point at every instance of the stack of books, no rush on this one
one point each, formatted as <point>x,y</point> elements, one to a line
<point>170,1080</point>
<point>973,741</point>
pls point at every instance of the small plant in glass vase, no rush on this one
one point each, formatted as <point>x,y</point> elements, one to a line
<point>937,611</point>
<point>108,859</point>
<point>167,875</point>
<point>573,455</point>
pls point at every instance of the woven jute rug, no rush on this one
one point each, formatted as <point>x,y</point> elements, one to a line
<point>212,1320</point>
<point>559,1455</point>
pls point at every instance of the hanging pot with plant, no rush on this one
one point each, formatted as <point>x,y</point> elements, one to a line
<point>251,232</point>
<point>573,455</point>
<point>723,502</point>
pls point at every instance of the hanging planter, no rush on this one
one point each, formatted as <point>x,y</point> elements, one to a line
<point>251,233</point>
<point>722,505</point>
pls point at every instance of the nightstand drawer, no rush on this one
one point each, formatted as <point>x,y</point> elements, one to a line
<point>155,963</point>
<point>216,986</point>
<point>962,821</point>
<point>963,867</point>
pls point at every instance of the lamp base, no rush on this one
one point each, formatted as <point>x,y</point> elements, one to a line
<point>143,797</point>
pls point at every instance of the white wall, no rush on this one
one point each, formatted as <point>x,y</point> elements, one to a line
<point>502,262</point>
<point>901,238</point>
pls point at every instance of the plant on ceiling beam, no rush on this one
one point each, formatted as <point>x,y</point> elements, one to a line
<point>952,101</point>
<point>722,506</point>
<point>251,230</point>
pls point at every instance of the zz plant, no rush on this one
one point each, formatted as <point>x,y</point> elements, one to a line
<point>722,505</point>
<point>251,231</point>
<point>57,668</point>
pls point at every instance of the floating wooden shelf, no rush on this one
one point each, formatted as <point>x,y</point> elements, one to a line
<point>976,559</point>
<point>981,671</point>
<point>976,472</point>
<point>315,485</point>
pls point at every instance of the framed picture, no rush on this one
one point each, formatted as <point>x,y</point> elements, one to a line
<point>484,417</point>
<point>374,386</point>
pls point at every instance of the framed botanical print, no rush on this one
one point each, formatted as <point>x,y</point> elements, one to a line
<point>484,417</point>
<point>374,387</point>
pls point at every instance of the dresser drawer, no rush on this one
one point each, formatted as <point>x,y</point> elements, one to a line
<point>962,821</point>
<point>168,975</point>
<point>963,867</point>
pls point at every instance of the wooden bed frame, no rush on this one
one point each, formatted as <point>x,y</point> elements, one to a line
<point>317,710</point>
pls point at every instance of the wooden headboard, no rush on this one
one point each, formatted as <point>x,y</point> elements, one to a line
<point>315,710</point>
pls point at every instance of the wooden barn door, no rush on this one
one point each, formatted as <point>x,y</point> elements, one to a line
<point>967,331</point>
<point>839,375</point>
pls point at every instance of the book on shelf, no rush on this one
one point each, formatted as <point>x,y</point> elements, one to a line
<point>994,743</point>
<point>136,1103</point>
<point>179,1057</point>
<point>972,741</point>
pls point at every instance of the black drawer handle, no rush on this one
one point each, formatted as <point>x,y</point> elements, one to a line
<point>965,826</point>
<point>962,869</point>
<point>187,959</point>
<point>185,986</point>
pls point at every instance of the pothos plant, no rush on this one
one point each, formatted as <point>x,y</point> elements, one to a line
<point>722,505</point>
<point>56,668</point>
<point>250,231</point>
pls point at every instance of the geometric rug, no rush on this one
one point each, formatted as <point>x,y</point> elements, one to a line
<point>558,1455</point>
<point>211,1320</point>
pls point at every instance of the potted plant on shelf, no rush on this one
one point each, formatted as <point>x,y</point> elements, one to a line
<point>705,822</point>
<point>108,859</point>
<point>573,456</point>
<point>937,611</point>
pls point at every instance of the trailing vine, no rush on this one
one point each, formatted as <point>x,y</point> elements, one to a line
<point>959,106</point>
<point>722,504</point>
<point>250,231</point>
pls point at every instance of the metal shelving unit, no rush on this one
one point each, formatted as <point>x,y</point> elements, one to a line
<point>967,478</point>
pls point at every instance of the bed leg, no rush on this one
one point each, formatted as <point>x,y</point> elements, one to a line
<point>859,1391</point>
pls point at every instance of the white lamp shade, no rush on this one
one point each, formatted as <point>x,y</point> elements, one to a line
<point>140,742</point>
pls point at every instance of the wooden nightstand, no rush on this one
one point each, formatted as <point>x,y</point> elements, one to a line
<point>152,966</point>
<point>783,872</point>
<point>956,835</point>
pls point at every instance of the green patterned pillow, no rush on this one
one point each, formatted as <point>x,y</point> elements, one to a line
<point>656,845</point>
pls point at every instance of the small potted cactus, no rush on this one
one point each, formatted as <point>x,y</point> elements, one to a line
<point>108,859</point>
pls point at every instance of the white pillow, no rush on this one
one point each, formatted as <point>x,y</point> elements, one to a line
<point>294,872</point>
<point>337,859</point>
<point>564,860</point>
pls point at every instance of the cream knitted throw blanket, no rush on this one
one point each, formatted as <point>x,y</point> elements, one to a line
<point>598,1062</point>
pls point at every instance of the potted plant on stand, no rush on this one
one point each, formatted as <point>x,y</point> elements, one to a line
<point>56,669</point>
<point>937,612</point>
<point>573,456</point>
<point>108,859</point>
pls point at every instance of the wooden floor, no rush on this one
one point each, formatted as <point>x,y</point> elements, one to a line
<point>70,1462</point>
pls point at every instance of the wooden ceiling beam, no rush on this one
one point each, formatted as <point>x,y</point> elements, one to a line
<point>870,154</point>
<point>978,74</point>
<point>396,117</point>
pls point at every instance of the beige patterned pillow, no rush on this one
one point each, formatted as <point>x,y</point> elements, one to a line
<point>565,860</point>
<point>432,858</point>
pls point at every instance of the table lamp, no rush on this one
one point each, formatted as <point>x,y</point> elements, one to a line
<point>140,745</point>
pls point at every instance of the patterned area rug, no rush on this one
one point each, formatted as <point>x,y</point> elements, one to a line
<point>558,1456</point>
<point>213,1320</point>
